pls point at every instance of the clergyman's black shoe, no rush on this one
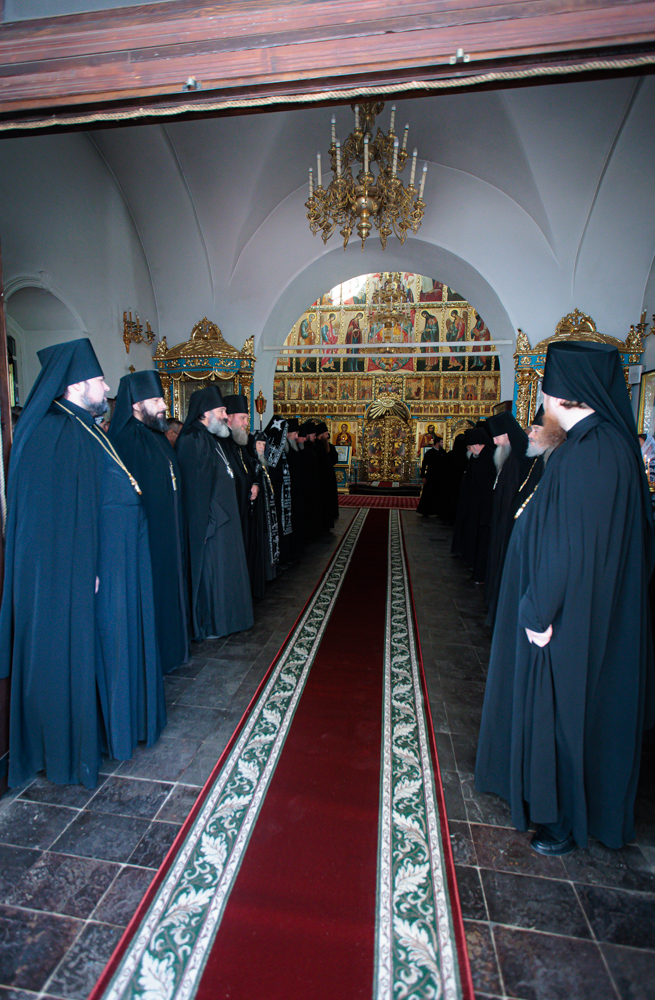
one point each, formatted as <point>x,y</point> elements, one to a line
<point>543,842</point>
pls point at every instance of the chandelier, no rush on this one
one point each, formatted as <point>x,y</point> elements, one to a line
<point>366,199</point>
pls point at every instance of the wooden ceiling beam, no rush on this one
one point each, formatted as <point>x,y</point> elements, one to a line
<point>150,52</point>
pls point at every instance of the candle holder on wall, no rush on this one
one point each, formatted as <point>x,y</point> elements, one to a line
<point>133,331</point>
<point>260,406</point>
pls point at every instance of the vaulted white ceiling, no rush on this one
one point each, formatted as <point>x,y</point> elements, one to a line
<point>539,199</point>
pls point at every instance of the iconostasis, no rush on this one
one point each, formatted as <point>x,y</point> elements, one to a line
<point>388,336</point>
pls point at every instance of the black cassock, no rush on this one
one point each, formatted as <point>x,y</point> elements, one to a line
<point>150,458</point>
<point>433,468</point>
<point>561,726</point>
<point>251,513</point>
<point>471,534</point>
<point>296,543</point>
<point>314,514</point>
<point>327,505</point>
<point>84,666</point>
<point>507,485</point>
<point>220,588</point>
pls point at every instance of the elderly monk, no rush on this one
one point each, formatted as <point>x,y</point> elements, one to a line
<point>220,590</point>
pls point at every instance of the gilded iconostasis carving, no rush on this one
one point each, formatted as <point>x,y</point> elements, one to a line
<point>389,335</point>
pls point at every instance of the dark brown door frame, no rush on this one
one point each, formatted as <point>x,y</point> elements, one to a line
<point>5,416</point>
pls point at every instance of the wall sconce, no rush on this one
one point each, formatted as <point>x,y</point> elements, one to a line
<point>260,406</point>
<point>132,331</point>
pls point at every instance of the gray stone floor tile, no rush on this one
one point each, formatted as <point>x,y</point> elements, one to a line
<point>77,973</point>
<point>121,900</point>
<point>59,883</point>
<point>549,967</point>
<point>32,945</point>
<point>33,824</point>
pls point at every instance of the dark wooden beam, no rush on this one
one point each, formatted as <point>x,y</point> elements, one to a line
<point>118,58</point>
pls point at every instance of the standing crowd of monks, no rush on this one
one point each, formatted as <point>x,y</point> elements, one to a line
<point>123,546</point>
<point>556,524</point>
<point>121,549</point>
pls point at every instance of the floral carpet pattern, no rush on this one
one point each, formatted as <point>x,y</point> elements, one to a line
<point>416,954</point>
<point>415,947</point>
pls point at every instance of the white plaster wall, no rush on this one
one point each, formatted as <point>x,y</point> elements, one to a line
<point>64,225</point>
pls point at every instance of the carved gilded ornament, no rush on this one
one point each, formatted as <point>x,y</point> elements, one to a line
<point>529,361</point>
<point>205,357</point>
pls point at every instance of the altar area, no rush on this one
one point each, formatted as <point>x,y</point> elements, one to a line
<point>387,359</point>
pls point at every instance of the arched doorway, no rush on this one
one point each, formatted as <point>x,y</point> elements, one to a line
<point>389,355</point>
<point>36,318</point>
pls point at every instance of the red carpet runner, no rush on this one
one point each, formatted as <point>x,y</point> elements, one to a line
<point>312,866</point>
<point>409,503</point>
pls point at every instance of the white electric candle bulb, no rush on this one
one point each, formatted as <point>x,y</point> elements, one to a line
<point>425,170</point>
<point>394,165</point>
<point>334,129</point>
<point>413,173</point>
<point>405,136</point>
<point>366,155</point>
<point>318,169</point>
<point>393,117</point>
<point>311,183</point>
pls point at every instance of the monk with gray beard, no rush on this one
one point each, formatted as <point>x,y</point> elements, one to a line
<point>220,588</point>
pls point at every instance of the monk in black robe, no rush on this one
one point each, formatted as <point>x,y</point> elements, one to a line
<point>570,686</point>
<point>77,627</point>
<point>432,474</point>
<point>270,533</point>
<point>471,534</point>
<point>327,456</point>
<point>312,504</point>
<point>295,473</point>
<point>246,484</point>
<point>220,588</point>
<point>512,466</point>
<point>276,451</point>
<point>138,430</point>
<point>455,467</point>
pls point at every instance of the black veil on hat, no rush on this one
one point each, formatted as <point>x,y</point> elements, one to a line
<point>61,365</point>
<point>293,424</point>
<point>538,418</point>
<point>506,423</point>
<point>133,388</point>
<point>276,437</point>
<point>591,373</point>
<point>236,404</point>
<point>307,428</point>
<point>477,435</point>
<point>200,402</point>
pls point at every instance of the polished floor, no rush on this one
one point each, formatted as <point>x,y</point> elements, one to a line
<point>74,864</point>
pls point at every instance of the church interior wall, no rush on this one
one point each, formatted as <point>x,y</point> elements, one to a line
<point>539,201</point>
<point>65,227</point>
